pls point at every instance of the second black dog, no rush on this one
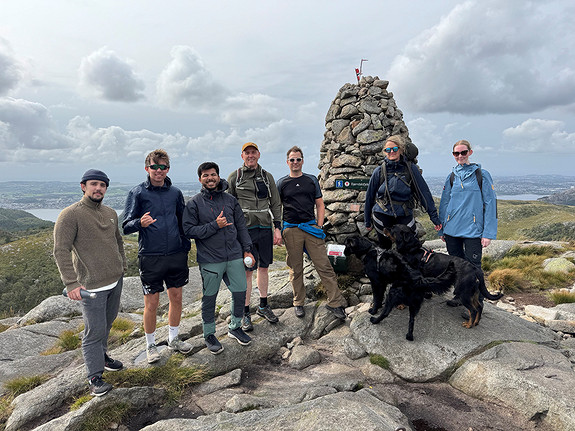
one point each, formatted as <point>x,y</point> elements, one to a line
<point>469,281</point>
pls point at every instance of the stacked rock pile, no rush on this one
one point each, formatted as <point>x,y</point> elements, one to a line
<point>358,122</point>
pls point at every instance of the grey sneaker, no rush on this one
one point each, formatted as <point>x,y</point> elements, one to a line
<point>299,311</point>
<point>247,322</point>
<point>180,346</point>
<point>455,302</point>
<point>153,354</point>
<point>214,346</point>
<point>98,387</point>
<point>241,337</point>
<point>267,313</point>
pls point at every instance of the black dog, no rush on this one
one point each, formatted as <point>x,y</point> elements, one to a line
<point>469,281</point>
<point>387,266</point>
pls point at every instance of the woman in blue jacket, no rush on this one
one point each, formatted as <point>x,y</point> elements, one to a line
<point>393,194</point>
<point>468,208</point>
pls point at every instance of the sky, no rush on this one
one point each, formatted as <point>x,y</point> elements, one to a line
<point>99,84</point>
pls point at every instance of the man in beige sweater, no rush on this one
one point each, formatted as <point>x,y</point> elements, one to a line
<point>89,252</point>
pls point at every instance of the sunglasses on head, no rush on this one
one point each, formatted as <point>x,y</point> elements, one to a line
<point>463,153</point>
<point>156,167</point>
<point>389,150</point>
<point>295,159</point>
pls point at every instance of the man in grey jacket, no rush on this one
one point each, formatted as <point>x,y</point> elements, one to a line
<point>216,222</point>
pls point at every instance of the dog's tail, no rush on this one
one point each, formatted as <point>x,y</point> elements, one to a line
<point>483,288</point>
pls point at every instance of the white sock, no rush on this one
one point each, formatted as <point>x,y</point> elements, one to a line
<point>151,338</point>
<point>172,332</point>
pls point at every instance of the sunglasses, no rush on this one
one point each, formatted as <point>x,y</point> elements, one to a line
<point>161,167</point>
<point>389,150</point>
<point>296,159</point>
<point>463,153</point>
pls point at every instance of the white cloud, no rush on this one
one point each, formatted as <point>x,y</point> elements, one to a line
<point>491,56</point>
<point>249,109</point>
<point>187,80</point>
<point>536,135</point>
<point>27,131</point>
<point>10,71</point>
<point>104,73</point>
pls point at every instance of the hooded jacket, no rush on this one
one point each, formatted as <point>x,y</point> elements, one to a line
<point>465,210</point>
<point>215,244</point>
<point>166,204</point>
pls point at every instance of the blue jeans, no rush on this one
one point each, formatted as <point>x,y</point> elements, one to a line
<point>99,314</point>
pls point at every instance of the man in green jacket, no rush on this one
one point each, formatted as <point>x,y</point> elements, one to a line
<point>89,252</point>
<point>256,191</point>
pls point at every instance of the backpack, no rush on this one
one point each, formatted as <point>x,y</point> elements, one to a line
<point>416,200</point>
<point>263,189</point>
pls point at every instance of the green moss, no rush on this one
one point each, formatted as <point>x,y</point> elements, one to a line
<point>379,360</point>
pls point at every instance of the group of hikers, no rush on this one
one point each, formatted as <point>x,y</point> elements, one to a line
<point>235,224</point>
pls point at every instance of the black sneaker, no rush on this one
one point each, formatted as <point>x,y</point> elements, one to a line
<point>247,322</point>
<point>214,346</point>
<point>455,302</point>
<point>242,338</point>
<point>338,312</point>
<point>98,387</point>
<point>112,364</point>
<point>267,313</point>
<point>299,311</point>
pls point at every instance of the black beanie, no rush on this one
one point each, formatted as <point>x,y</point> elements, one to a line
<point>94,174</point>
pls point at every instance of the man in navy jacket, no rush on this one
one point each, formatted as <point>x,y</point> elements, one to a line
<point>154,209</point>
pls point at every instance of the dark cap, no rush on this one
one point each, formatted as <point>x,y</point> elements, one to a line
<point>95,174</point>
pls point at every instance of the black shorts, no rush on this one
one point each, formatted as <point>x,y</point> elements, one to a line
<point>155,270</point>
<point>262,246</point>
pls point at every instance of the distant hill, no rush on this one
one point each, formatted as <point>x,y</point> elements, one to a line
<point>18,220</point>
<point>566,197</point>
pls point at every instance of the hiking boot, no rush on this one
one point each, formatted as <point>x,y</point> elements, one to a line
<point>242,338</point>
<point>267,313</point>
<point>178,345</point>
<point>247,322</point>
<point>112,364</point>
<point>455,302</point>
<point>98,387</point>
<point>338,312</point>
<point>213,345</point>
<point>153,354</point>
<point>299,311</point>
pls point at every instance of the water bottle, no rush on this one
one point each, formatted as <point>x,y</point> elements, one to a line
<point>83,293</point>
<point>248,262</point>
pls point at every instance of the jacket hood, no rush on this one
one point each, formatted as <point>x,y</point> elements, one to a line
<point>464,171</point>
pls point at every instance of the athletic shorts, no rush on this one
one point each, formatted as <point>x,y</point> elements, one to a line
<point>262,246</point>
<point>155,270</point>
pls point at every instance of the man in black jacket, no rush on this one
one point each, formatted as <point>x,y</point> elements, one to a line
<point>154,209</point>
<point>216,221</point>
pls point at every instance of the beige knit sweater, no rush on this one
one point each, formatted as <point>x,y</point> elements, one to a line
<point>88,247</point>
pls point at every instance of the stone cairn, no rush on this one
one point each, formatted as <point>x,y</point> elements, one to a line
<point>358,122</point>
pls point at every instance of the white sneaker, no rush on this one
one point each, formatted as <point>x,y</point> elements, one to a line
<point>180,346</point>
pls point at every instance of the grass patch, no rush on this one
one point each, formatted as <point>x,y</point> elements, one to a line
<point>380,361</point>
<point>121,331</point>
<point>507,280</point>
<point>3,327</point>
<point>171,376</point>
<point>280,253</point>
<point>101,420</point>
<point>80,401</point>
<point>67,340</point>
<point>562,297</point>
<point>14,388</point>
